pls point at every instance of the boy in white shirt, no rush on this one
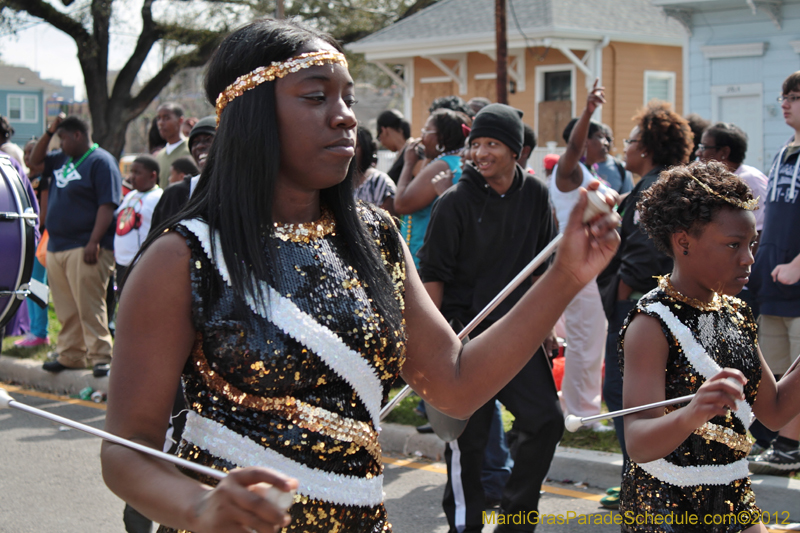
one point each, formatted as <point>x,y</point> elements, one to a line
<point>135,214</point>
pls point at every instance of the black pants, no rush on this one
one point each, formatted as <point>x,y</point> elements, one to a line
<point>612,382</point>
<point>531,398</point>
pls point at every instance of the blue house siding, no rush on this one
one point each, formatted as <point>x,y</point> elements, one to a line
<point>24,131</point>
<point>741,26</point>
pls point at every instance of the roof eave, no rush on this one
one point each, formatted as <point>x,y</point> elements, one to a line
<point>484,42</point>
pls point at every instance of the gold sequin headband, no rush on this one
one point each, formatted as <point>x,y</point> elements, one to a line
<point>749,205</point>
<point>276,69</point>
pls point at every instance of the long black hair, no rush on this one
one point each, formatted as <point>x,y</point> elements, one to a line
<point>236,189</point>
<point>369,150</point>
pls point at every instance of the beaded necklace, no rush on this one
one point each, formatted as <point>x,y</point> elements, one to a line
<point>449,152</point>
<point>69,167</point>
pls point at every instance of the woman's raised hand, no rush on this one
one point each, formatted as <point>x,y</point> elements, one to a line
<point>238,504</point>
<point>588,248</point>
<point>596,97</point>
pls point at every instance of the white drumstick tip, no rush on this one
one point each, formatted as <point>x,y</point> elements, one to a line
<point>278,498</point>
<point>5,399</point>
<point>597,206</point>
<point>572,423</point>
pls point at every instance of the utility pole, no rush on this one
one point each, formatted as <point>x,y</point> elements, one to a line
<point>279,9</point>
<point>502,50</point>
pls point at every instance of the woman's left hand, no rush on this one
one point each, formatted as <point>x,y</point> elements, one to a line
<point>787,274</point>
<point>442,181</point>
<point>586,249</point>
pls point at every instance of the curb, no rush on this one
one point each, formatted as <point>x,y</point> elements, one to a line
<point>774,494</point>
<point>30,373</point>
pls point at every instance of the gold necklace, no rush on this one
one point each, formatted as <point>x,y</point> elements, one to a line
<point>665,284</point>
<point>306,231</point>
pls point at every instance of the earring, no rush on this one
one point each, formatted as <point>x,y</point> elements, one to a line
<point>686,252</point>
<point>641,155</point>
<point>439,147</point>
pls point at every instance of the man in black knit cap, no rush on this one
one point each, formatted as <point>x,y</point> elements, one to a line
<point>482,232</point>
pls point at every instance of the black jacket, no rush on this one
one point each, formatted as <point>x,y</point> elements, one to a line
<point>637,260</point>
<point>174,198</point>
<point>477,241</point>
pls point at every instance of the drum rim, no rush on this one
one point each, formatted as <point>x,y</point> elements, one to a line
<point>11,175</point>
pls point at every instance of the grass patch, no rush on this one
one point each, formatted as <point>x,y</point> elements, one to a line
<point>404,412</point>
<point>586,439</point>
<point>38,353</point>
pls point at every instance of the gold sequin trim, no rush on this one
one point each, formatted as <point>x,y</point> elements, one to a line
<point>307,231</point>
<point>665,285</point>
<point>721,434</point>
<point>276,69</point>
<point>726,436</point>
<point>300,413</point>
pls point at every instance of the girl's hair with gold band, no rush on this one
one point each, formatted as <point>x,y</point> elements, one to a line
<point>688,197</point>
<point>277,69</point>
<point>235,193</point>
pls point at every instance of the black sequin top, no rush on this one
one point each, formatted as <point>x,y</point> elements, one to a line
<point>297,385</point>
<point>726,330</point>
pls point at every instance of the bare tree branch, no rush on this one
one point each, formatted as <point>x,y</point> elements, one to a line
<point>149,36</point>
<point>195,58</point>
<point>46,12</point>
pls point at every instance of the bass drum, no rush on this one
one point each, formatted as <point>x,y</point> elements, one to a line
<point>17,241</point>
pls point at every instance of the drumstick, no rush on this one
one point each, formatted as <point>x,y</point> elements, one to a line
<point>280,499</point>
<point>572,422</point>
<point>596,206</point>
<point>790,368</point>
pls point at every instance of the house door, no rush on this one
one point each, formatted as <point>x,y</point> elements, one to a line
<point>742,106</point>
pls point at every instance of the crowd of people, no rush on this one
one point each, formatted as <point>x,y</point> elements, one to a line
<point>302,282</point>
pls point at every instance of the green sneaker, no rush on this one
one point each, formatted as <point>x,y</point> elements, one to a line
<point>610,501</point>
<point>613,490</point>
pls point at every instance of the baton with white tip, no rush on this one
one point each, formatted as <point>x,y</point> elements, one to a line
<point>572,423</point>
<point>280,499</point>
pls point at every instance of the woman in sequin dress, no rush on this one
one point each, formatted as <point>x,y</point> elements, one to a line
<point>288,310</point>
<point>688,468</point>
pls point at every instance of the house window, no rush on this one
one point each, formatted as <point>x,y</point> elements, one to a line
<point>22,108</point>
<point>659,85</point>
<point>557,85</point>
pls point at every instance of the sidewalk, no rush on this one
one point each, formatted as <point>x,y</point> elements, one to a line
<point>597,469</point>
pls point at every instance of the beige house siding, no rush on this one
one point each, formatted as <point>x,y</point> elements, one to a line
<point>624,65</point>
<point>631,61</point>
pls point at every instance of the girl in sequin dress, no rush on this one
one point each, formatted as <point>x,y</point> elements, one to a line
<point>688,469</point>
<point>288,310</point>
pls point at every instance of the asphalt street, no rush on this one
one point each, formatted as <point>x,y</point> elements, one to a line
<point>50,481</point>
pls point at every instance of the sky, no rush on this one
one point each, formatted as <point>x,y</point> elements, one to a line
<point>47,51</point>
<point>54,55</point>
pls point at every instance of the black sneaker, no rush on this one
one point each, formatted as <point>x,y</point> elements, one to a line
<point>55,367</point>
<point>757,449</point>
<point>100,370</point>
<point>775,461</point>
